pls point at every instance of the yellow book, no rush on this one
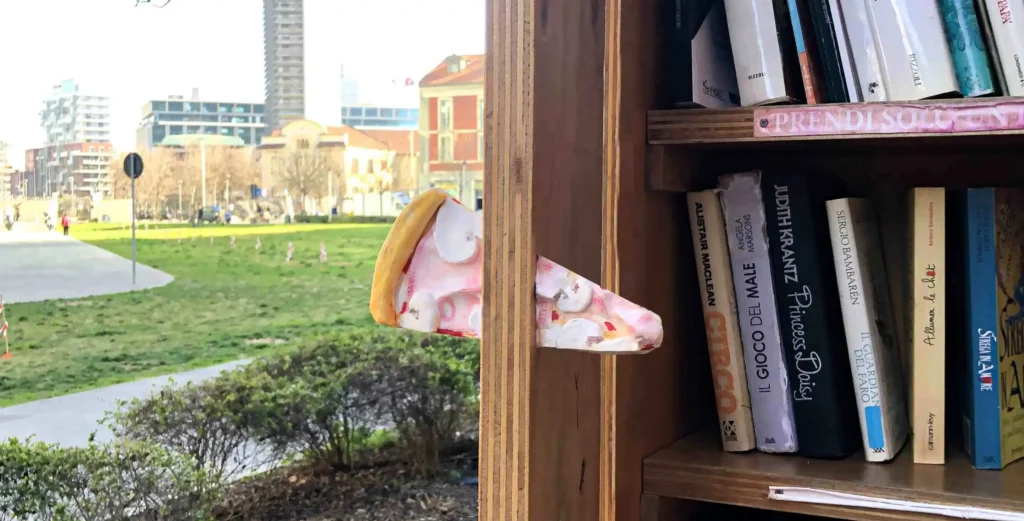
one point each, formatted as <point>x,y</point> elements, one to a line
<point>927,276</point>
<point>714,276</point>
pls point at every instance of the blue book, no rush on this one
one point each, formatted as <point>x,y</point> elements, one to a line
<point>967,45</point>
<point>981,417</point>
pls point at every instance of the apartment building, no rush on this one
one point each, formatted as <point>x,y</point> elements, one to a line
<point>452,124</point>
<point>284,62</point>
<point>76,150</point>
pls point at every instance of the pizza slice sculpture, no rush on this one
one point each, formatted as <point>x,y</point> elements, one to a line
<point>429,277</point>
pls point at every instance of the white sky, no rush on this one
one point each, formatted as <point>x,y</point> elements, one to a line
<point>133,54</point>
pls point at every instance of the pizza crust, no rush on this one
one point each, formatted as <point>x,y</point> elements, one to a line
<point>398,248</point>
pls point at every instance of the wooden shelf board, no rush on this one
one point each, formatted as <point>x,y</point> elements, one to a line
<point>696,468</point>
<point>710,126</point>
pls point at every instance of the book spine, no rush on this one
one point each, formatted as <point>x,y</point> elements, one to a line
<point>711,249</point>
<point>758,48</point>
<point>928,324</point>
<point>911,43</point>
<point>982,424</point>
<point>970,58</point>
<point>1009,217</point>
<point>867,316</point>
<point>813,84</point>
<point>1007,25</point>
<point>990,43</point>
<point>832,50</point>
<point>826,421</point>
<point>848,68</point>
<point>767,380</point>
<point>862,45</point>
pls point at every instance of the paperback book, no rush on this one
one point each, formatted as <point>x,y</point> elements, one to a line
<point>966,42</point>
<point>764,51</point>
<point>867,320</point>
<point>994,415</point>
<point>767,379</point>
<point>711,249</point>
<point>911,43</point>
<point>927,310</point>
<point>809,317</point>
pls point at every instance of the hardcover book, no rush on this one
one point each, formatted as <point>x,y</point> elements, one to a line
<point>711,249</point>
<point>970,58</point>
<point>699,68</point>
<point>809,317</point>
<point>911,43</point>
<point>927,310</point>
<point>865,57</point>
<point>994,416</point>
<point>867,320</point>
<point>807,52</point>
<point>764,51</point>
<point>1007,30</point>
<point>767,379</point>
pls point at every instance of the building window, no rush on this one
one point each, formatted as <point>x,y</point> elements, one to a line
<point>174,106</point>
<point>444,149</point>
<point>480,113</point>
<point>444,114</point>
<point>159,106</point>
<point>210,107</point>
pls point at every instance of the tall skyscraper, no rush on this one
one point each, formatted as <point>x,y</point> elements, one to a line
<point>284,62</point>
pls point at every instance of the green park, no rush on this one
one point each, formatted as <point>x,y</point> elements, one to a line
<point>229,300</point>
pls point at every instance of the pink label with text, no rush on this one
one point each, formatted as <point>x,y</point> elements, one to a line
<point>887,118</point>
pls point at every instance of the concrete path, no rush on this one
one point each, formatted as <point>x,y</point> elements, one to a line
<point>70,419</point>
<point>38,266</point>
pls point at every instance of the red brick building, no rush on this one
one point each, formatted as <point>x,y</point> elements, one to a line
<point>73,167</point>
<point>451,123</point>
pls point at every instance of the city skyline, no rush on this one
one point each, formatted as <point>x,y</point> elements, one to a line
<point>365,36</point>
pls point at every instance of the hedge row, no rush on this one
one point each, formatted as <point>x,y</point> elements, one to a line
<point>328,402</point>
<point>339,219</point>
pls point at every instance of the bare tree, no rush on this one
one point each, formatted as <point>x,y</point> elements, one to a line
<point>304,172</point>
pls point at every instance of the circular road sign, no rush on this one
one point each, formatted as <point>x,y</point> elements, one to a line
<point>133,165</point>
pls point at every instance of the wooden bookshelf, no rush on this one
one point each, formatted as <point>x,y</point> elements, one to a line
<point>696,468</point>
<point>583,169</point>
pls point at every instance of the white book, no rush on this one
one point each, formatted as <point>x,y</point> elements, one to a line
<point>910,39</point>
<point>867,320</point>
<point>845,53</point>
<point>862,47</point>
<point>757,32</point>
<point>1006,20</point>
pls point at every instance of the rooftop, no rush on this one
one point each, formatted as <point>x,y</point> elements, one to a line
<point>456,70</point>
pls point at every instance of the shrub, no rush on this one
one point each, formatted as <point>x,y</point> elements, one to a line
<point>119,482</point>
<point>329,397</point>
<point>366,219</point>
<point>200,421</point>
<point>322,400</point>
<point>435,396</point>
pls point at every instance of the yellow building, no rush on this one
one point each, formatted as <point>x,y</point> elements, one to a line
<point>324,164</point>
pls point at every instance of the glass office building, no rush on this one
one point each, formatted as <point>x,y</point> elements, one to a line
<point>177,116</point>
<point>396,118</point>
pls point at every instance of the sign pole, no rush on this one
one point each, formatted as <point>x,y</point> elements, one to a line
<point>133,225</point>
<point>133,169</point>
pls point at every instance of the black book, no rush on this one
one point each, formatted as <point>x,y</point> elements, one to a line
<point>827,44</point>
<point>810,318</point>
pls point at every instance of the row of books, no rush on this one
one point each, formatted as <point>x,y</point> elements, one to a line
<point>727,53</point>
<point>800,326</point>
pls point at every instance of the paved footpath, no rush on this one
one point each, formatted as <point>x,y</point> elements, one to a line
<point>38,266</point>
<point>70,419</point>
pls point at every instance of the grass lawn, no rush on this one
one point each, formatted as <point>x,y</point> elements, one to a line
<point>225,303</point>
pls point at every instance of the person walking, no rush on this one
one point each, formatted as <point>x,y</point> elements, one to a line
<point>65,222</point>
